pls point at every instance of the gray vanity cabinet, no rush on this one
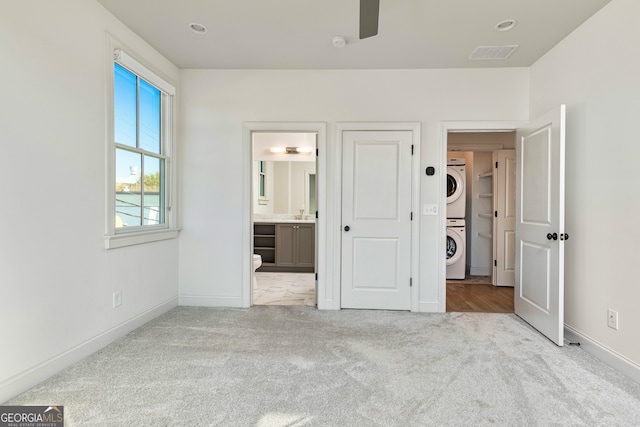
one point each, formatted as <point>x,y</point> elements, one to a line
<point>286,247</point>
<point>295,245</point>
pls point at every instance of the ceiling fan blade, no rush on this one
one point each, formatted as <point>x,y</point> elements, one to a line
<point>369,12</point>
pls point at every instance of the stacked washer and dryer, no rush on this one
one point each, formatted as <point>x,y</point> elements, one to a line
<point>456,207</point>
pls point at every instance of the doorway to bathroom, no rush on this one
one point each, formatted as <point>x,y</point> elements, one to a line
<point>283,218</point>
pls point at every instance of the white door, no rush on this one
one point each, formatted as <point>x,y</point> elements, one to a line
<point>504,220</point>
<point>539,290</point>
<point>376,220</point>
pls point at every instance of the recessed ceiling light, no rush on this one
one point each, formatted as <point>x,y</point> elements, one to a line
<point>197,28</point>
<point>506,25</point>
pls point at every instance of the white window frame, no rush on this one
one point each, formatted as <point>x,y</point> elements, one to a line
<point>121,237</point>
<point>262,181</point>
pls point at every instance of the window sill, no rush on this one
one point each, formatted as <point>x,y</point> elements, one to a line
<point>139,238</point>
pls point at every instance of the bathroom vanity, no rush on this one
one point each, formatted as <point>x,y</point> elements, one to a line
<point>286,246</point>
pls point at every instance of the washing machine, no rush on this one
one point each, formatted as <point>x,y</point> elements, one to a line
<point>456,188</point>
<point>456,248</point>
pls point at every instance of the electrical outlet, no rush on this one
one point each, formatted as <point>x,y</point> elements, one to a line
<point>117,299</point>
<point>612,319</point>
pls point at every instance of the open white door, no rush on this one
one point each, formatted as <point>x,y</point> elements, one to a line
<point>540,234</point>
<point>504,220</point>
<point>376,220</point>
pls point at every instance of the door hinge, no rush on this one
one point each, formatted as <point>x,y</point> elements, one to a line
<point>410,282</point>
<point>496,165</point>
<point>495,213</point>
<point>412,149</point>
<point>317,152</point>
<point>495,263</point>
<point>316,276</point>
<point>411,216</point>
<point>316,214</point>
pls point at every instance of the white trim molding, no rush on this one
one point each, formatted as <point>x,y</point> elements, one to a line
<point>602,352</point>
<point>209,301</point>
<point>445,128</point>
<point>116,51</point>
<point>122,58</point>
<point>25,380</point>
<point>122,240</point>
<point>324,277</point>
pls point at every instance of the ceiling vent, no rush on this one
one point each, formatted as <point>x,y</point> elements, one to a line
<point>492,52</point>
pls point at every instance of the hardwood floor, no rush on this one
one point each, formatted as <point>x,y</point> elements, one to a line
<point>479,297</point>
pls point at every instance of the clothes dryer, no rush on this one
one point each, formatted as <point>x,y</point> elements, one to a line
<point>456,188</point>
<point>456,248</point>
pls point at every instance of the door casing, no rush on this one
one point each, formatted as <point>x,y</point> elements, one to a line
<point>330,204</point>
<point>445,128</point>
<point>320,128</point>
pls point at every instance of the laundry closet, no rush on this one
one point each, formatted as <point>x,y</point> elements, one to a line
<point>481,207</point>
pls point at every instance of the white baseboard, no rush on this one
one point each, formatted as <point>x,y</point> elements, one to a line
<point>605,354</point>
<point>328,305</point>
<point>23,381</point>
<point>209,301</point>
<point>480,271</point>
<point>429,307</point>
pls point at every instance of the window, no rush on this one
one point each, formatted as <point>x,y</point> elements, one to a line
<point>140,160</point>
<point>263,179</point>
<point>263,167</point>
<point>140,148</point>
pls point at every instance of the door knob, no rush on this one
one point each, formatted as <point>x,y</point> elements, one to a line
<point>347,228</point>
<point>564,236</point>
<point>553,236</point>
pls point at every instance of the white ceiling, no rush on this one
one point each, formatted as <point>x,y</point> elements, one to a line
<point>296,34</point>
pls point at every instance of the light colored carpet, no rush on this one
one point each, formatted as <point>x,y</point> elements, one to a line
<point>296,366</point>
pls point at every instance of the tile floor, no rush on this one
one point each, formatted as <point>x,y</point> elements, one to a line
<point>285,289</point>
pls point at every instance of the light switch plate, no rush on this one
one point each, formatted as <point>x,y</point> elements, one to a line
<point>429,209</point>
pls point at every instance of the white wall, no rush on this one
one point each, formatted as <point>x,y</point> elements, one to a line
<point>281,188</point>
<point>215,103</point>
<point>56,279</point>
<point>596,72</point>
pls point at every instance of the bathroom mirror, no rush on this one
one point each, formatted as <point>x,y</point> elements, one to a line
<point>284,188</point>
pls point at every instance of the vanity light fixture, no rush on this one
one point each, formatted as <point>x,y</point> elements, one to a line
<point>291,150</point>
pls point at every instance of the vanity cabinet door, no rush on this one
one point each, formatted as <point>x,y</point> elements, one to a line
<point>295,245</point>
<point>305,245</point>
<point>285,245</point>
